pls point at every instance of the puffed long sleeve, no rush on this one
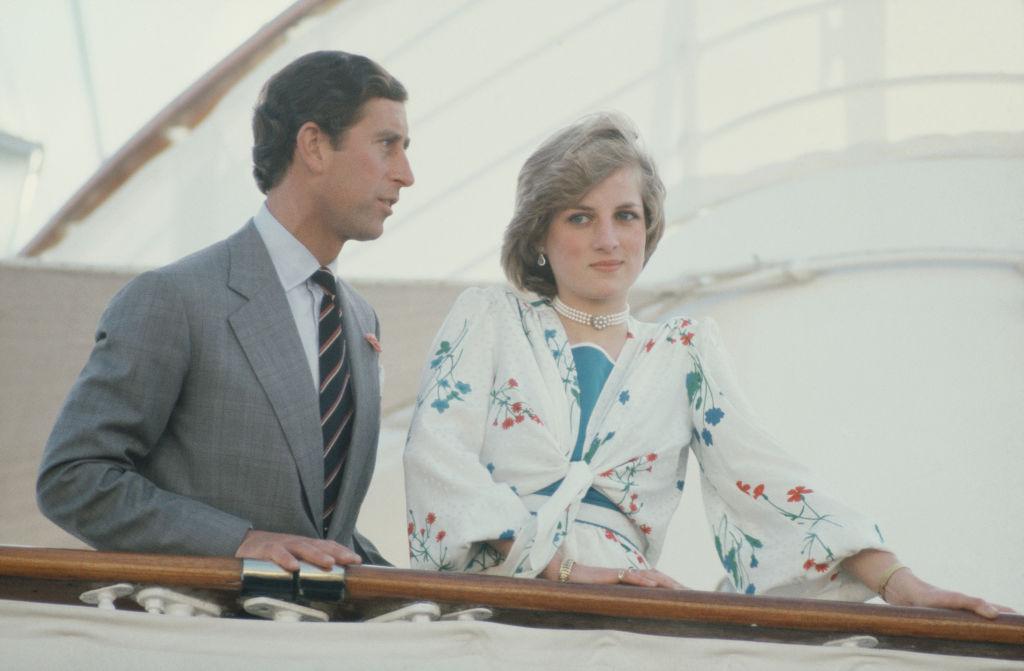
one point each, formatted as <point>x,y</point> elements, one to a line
<point>776,527</point>
<point>454,503</point>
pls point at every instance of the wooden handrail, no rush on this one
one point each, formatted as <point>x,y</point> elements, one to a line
<point>368,582</point>
<point>67,570</point>
<point>214,573</point>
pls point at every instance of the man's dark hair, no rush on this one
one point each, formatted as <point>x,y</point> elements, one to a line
<point>325,87</point>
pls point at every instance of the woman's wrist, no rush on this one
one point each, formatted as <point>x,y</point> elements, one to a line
<point>550,571</point>
<point>883,582</point>
<point>901,587</point>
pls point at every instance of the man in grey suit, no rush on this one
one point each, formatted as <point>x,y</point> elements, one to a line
<point>196,425</point>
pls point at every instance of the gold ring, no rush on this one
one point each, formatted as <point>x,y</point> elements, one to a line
<point>622,574</point>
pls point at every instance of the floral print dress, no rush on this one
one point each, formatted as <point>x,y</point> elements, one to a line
<point>496,450</point>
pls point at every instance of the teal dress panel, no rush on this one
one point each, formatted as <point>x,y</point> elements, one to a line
<point>592,370</point>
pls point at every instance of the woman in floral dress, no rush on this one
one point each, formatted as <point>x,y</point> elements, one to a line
<point>551,433</point>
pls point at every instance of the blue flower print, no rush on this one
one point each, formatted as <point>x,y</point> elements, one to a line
<point>443,365</point>
<point>549,334</point>
<point>729,561</point>
<point>714,415</point>
<point>702,399</point>
<point>624,396</point>
<point>507,535</point>
<point>679,485</point>
<point>750,589</point>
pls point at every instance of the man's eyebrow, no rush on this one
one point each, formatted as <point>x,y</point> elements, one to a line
<point>393,135</point>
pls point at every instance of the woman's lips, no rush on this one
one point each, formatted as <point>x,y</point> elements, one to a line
<point>606,266</point>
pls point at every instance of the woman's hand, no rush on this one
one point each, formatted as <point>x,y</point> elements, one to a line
<point>596,575</point>
<point>906,589</point>
<point>902,588</point>
<point>609,576</point>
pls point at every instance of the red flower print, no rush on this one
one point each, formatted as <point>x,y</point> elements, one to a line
<point>519,418</point>
<point>422,531</point>
<point>609,534</point>
<point>797,493</point>
<point>808,564</point>
<point>634,496</point>
<point>652,456</point>
<point>512,382</point>
<point>640,559</point>
<point>759,490</point>
<point>607,474</point>
<point>685,323</point>
<point>440,536</point>
<point>536,419</point>
<point>508,423</point>
<point>412,527</point>
<point>821,568</point>
<point>431,518</point>
<point>649,345</point>
<point>743,487</point>
<point>633,508</point>
<point>686,339</point>
<point>517,406</point>
<point>645,528</point>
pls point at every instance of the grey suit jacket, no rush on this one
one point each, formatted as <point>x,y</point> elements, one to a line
<point>196,418</point>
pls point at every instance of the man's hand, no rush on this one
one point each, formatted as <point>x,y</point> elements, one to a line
<point>287,550</point>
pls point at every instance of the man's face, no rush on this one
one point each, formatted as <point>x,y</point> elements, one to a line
<point>363,175</point>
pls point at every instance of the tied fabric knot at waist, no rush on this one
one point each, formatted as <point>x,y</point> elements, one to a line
<point>540,538</point>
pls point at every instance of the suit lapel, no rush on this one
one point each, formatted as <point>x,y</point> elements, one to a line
<point>266,332</point>
<point>362,452</point>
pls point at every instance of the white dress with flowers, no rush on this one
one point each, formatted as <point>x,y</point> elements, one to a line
<point>493,453</point>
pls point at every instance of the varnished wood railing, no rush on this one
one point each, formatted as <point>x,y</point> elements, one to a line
<point>60,575</point>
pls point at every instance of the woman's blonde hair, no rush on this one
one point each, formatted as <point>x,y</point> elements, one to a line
<point>558,175</point>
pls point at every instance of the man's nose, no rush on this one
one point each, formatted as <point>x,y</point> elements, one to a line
<point>402,171</point>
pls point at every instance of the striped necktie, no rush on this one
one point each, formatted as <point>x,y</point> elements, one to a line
<point>336,397</point>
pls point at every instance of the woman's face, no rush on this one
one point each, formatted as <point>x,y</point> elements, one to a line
<point>596,248</point>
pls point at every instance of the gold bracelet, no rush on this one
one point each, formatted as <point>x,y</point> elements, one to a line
<point>565,570</point>
<point>887,576</point>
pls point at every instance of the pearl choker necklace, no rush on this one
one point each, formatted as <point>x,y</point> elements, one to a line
<point>599,322</point>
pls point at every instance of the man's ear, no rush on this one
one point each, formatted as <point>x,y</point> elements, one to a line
<point>311,145</point>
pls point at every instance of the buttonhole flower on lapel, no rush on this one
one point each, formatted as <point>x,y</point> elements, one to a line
<point>374,343</point>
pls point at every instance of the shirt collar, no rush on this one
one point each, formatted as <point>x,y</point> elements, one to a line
<point>292,261</point>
